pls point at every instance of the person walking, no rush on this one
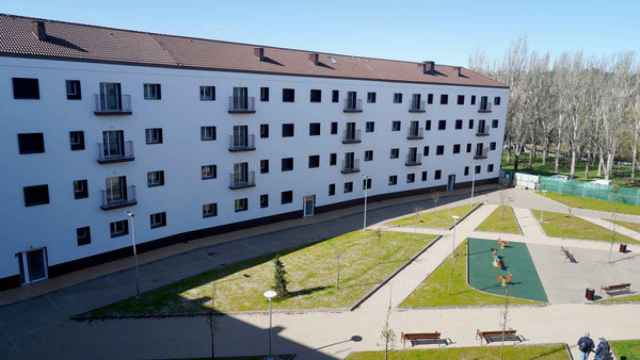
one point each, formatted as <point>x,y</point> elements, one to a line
<point>603,352</point>
<point>585,345</point>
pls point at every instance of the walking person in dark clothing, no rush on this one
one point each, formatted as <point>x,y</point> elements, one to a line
<point>585,345</point>
<point>603,351</point>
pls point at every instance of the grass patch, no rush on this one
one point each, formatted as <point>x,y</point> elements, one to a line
<point>439,219</point>
<point>434,291</point>
<point>564,225</point>
<point>628,348</point>
<point>592,204</point>
<point>366,259</point>
<point>629,225</point>
<point>538,352</point>
<point>620,299</point>
<point>502,220</point>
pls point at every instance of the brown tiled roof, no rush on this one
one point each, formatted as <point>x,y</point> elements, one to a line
<point>19,37</point>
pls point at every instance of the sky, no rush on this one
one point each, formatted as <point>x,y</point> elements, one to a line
<point>443,31</point>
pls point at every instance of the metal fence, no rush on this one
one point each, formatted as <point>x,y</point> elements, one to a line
<point>613,193</point>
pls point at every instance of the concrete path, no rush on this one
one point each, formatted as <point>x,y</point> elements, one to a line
<point>612,226</point>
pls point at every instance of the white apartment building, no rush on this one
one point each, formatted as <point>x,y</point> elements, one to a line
<point>196,137</point>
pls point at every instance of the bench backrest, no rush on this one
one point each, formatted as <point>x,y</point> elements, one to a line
<point>496,333</point>
<point>617,286</point>
<point>420,336</point>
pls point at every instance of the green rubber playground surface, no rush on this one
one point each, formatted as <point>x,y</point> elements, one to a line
<point>482,274</point>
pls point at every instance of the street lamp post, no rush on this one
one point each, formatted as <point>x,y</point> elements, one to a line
<point>135,250</point>
<point>453,238</point>
<point>270,294</point>
<point>364,221</point>
<point>473,181</point>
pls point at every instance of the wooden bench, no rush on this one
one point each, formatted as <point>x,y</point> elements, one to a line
<point>423,338</point>
<point>498,336</point>
<point>617,289</point>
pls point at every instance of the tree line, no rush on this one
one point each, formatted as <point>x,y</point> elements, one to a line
<point>569,107</point>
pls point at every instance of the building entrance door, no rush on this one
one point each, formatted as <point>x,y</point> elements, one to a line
<point>451,184</point>
<point>33,265</point>
<point>309,205</point>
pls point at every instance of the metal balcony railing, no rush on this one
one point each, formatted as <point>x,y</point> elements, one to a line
<point>109,105</point>
<point>484,107</point>
<point>110,153</point>
<point>351,137</point>
<point>242,143</point>
<point>353,106</point>
<point>242,105</point>
<point>415,133</point>
<point>482,131</point>
<point>242,180</point>
<point>118,198</point>
<point>350,166</point>
<point>413,159</point>
<point>481,154</point>
<point>417,107</point>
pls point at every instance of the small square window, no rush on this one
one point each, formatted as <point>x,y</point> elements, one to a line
<point>458,124</point>
<point>473,99</point>
<point>287,164</point>
<point>83,235</point>
<point>440,150</point>
<point>315,96</point>
<point>333,159</point>
<point>287,130</point>
<point>496,101</point>
<point>425,151</point>
<point>264,166</point>
<point>424,176</point>
<point>371,97</point>
<point>397,98</point>
<point>73,90</point>
<point>395,126</point>
<point>31,143</point>
<point>478,168</point>
<point>153,136</point>
<point>314,161</point>
<point>490,168</point>
<point>395,153</point>
<point>367,183</point>
<point>209,210</point>
<point>494,123</point>
<point>209,172</point>
<point>241,205</point>
<point>288,95</point>
<point>368,155</point>
<point>286,197</point>
<point>429,99</point>
<point>152,92</point>
<point>155,178</point>
<point>207,93</point>
<point>370,126</point>
<point>460,99</point>
<point>80,189</point>
<point>438,174</point>
<point>76,140</point>
<point>466,171</point>
<point>332,189</point>
<point>119,228</point>
<point>456,148</point>
<point>264,131</point>
<point>27,89</point>
<point>334,128</point>
<point>444,99</point>
<point>314,129</point>
<point>264,94</point>
<point>393,180</point>
<point>207,133</point>
<point>468,148</point>
<point>36,195</point>
<point>427,125</point>
<point>335,96</point>
<point>470,124</point>
<point>492,145</point>
<point>411,178</point>
<point>264,201</point>
<point>348,187</point>
<point>442,124</point>
<point>158,220</point>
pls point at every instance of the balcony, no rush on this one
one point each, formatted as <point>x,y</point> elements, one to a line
<point>118,199</point>
<point>415,133</point>
<point>351,137</point>
<point>417,107</point>
<point>350,167</point>
<point>241,181</point>
<point>483,131</point>
<point>479,155</point>
<point>113,153</point>
<point>108,105</point>
<point>353,106</point>
<point>242,143</point>
<point>242,105</point>
<point>413,159</point>
<point>484,108</point>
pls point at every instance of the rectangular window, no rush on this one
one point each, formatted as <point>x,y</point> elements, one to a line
<point>335,96</point>
<point>209,172</point>
<point>334,128</point>
<point>440,150</point>
<point>442,124</point>
<point>496,101</point>
<point>76,140</point>
<point>456,148</point>
<point>348,187</point>
<point>155,178</point>
<point>83,235</point>
<point>80,189</point>
<point>333,159</point>
<point>209,210</point>
<point>36,195</point>
<point>395,126</point>
<point>411,178</point>
<point>490,168</point>
<point>314,161</point>
<point>466,171</point>
<point>429,99</point>
<point>478,168</point>
<point>368,155</point>
<point>424,176</point>
<point>444,99</point>
<point>473,99</point>
<point>286,197</point>
<point>287,164</point>
<point>241,205</point>
<point>315,96</point>
<point>370,126</point>
<point>152,92</point>
<point>158,220</point>
<point>438,174</point>
<point>287,130</point>
<point>264,166</point>
<point>288,95</point>
<point>367,183</point>
<point>332,189</point>
<point>460,99</point>
<point>425,151</point>
<point>470,124</point>
<point>427,125</point>
<point>393,180</point>
<point>264,131</point>
<point>31,143</point>
<point>264,94</point>
<point>397,98</point>
<point>119,228</point>
<point>395,153</point>
<point>24,88</point>
<point>314,129</point>
<point>468,148</point>
<point>492,145</point>
<point>371,97</point>
<point>494,123</point>
<point>73,90</point>
<point>459,124</point>
<point>153,136</point>
<point>264,201</point>
<point>207,133</point>
<point>207,93</point>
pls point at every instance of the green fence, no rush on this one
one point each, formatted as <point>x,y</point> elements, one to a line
<point>586,189</point>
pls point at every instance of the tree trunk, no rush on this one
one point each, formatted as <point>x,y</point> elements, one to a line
<point>572,171</point>
<point>634,151</point>
<point>600,163</point>
<point>557,159</point>
<point>545,151</point>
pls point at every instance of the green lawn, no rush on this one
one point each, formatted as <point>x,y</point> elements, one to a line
<point>620,299</point>
<point>501,220</point>
<point>439,219</point>
<point>366,259</point>
<point>593,204</point>
<point>628,348</point>
<point>564,225</point>
<point>520,352</point>
<point>628,225</point>
<point>434,291</point>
